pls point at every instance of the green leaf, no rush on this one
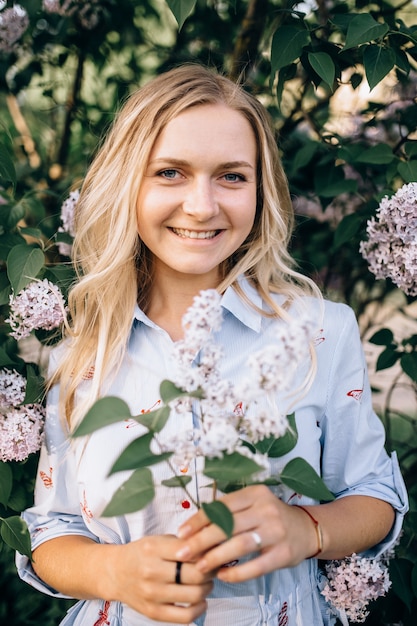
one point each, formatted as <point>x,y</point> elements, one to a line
<point>6,482</point>
<point>362,29</point>
<point>16,213</point>
<point>410,148</point>
<point>286,73</point>
<point>414,579</point>
<point>219,514</point>
<point>377,155</point>
<point>323,65</point>
<point>170,392</point>
<point>23,265</point>
<point>303,478</point>
<point>135,493</point>
<point>347,228</point>
<point>338,187</point>
<point>378,62</point>
<point>387,359</point>
<point>277,447</point>
<point>34,386</point>
<point>15,533</point>
<point>408,171</point>
<point>232,467</point>
<point>154,420</point>
<point>382,337</point>
<point>7,169</point>
<point>176,481</point>
<point>138,454</point>
<point>287,46</point>
<point>409,364</point>
<point>181,9</point>
<point>104,412</point>
<point>400,575</point>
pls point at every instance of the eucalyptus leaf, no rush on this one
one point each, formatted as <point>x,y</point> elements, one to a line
<point>177,481</point>
<point>154,421</point>
<point>104,412</point>
<point>219,514</point>
<point>15,533</point>
<point>6,483</point>
<point>138,454</point>
<point>231,467</point>
<point>299,475</point>
<point>23,265</point>
<point>135,493</point>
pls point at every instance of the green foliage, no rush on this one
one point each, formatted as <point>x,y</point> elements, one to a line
<point>58,92</point>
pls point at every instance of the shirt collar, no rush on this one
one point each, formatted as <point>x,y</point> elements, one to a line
<point>232,302</point>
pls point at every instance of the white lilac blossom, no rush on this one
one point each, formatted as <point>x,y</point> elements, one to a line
<point>14,21</point>
<point>88,13</point>
<point>68,219</point>
<point>12,388</point>
<point>40,305</point>
<point>352,583</point>
<point>226,414</point>
<point>391,248</point>
<point>21,432</point>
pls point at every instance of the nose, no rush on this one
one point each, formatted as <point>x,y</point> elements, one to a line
<point>200,201</point>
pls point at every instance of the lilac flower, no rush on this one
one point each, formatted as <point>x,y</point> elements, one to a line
<point>391,249</point>
<point>88,13</point>
<point>39,305</point>
<point>12,388</point>
<point>352,583</point>
<point>21,432</point>
<point>13,24</point>
<point>67,219</point>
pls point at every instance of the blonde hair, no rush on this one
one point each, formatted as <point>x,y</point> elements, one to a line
<point>115,268</point>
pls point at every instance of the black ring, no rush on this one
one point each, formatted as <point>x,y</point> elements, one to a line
<point>178,573</point>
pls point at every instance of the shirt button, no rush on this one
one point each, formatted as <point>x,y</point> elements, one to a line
<point>185,504</point>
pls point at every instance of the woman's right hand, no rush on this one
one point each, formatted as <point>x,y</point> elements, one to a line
<point>142,575</point>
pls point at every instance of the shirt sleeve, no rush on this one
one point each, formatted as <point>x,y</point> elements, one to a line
<point>354,459</point>
<point>57,508</point>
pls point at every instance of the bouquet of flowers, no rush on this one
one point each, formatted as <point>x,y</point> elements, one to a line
<point>234,439</point>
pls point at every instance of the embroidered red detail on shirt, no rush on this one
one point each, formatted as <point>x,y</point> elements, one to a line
<point>356,394</point>
<point>155,404</point>
<point>282,615</point>
<point>85,509</point>
<point>238,410</point>
<point>103,616</point>
<point>319,339</point>
<point>89,374</point>
<point>47,478</point>
<point>185,504</point>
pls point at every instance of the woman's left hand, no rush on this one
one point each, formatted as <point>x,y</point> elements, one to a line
<point>281,534</point>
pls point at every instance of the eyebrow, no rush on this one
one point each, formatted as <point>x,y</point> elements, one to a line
<point>181,162</point>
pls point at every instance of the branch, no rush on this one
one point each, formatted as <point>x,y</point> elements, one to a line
<point>247,42</point>
<point>23,130</point>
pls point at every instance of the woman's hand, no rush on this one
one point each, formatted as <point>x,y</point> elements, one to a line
<point>286,534</point>
<point>142,574</point>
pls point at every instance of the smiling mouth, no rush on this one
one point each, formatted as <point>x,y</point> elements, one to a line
<point>195,234</point>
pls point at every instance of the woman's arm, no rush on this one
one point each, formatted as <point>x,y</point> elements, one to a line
<point>287,534</point>
<point>140,574</point>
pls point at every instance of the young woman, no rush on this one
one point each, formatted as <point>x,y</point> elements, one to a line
<point>187,193</point>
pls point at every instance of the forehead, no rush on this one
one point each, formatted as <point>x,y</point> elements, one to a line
<point>214,127</point>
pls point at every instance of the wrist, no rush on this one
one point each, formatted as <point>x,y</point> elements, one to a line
<point>318,532</point>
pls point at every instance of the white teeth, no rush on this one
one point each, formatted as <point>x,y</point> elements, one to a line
<point>195,234</point>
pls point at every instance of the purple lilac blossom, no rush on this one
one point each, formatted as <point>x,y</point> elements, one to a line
<point>14,22</point>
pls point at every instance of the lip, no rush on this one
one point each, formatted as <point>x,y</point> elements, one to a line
<point>185,233</point>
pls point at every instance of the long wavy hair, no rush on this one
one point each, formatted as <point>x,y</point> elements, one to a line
<point>113,265</point>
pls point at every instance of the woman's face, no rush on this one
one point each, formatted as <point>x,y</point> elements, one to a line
<point>197,201</point>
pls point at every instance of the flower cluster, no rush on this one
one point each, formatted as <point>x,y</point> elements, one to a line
<point>13,24</point>
<point>391,248</point>
<point>352,583</point>
<point>40,305</point>
<point>225,413</point>
<point>88,13</point>
<point>67,219</point>
<point>20,425</point>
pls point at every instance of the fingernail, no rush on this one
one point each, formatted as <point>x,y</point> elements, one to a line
<point>183,532</point>
<point>183,553</point>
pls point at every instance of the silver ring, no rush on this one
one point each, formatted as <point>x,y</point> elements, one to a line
<point>257,540</point>
<point>178,573</point>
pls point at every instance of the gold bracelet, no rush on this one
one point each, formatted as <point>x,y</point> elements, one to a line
<point>319,532</point>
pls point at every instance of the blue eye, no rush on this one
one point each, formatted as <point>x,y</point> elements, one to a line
<point>170,173</point>
<point>233,178</point>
